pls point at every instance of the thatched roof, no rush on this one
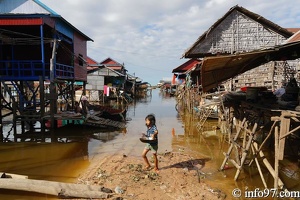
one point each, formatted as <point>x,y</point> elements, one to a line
<point>192,52</point>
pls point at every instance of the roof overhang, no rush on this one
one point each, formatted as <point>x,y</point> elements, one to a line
<point>110,71</point>
<point>218,69</point>
<point>186,66</point>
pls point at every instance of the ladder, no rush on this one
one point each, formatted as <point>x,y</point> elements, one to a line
<point>204,112</point>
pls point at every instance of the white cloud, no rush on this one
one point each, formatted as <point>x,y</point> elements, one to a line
<point>150,36</point>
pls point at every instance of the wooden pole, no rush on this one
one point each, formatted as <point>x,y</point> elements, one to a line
<point>276,163</point>
<point>15,120</point>
<point>284,128</point>
<point>1,128</point>
<point>42,106</point>
<point>59,189</point>
<point>268,165</point>
<point>245,152</point>
<point>258,167</point>
<point>53,98</point>
<point>239,128</point>
<point>273,74</point>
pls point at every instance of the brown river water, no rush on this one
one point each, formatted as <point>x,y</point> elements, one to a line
<point>65,159</point>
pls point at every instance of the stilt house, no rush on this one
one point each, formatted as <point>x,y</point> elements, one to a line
<point>248,40</point>
<point>37,46</point>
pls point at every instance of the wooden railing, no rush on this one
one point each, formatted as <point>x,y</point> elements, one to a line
<point>32,70</point>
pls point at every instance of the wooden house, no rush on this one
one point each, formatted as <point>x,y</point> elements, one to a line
<point>103,81</point>
<point>190,68</point>
<point>29,30</point>
<point>248,40</point>
<point>250,50</point>
<point>37,46</point>
<point>112,64</point>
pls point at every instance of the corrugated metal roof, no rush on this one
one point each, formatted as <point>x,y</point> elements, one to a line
<point>108,62</point>
<point>35,9</point>
<point>103,67</point>
<point>24,7</point>
<point>186,66</point>
<point>92,64</point>
<point>46,8</point>
<point>295,37</point>
<point>293,30</point>
<point>115,67</point>
<point>91,61</point>
<point>111,62</point>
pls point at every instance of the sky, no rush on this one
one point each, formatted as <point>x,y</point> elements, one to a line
<point>150,36</point>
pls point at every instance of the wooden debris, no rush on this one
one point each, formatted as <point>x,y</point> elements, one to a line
<point>14,176</point>
<point>64,190</point>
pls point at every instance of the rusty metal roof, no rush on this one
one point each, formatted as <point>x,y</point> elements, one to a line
<point>295,37</point>
<point>217,69</point>
<point>186,66</point>
<point>108,62</point>
<point>293,30</point>
<point>92,64</point>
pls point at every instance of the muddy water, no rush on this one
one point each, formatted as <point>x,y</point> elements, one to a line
<point>65,159</point>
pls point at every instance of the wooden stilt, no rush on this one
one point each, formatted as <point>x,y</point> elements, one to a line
<point>42,107</point>
<point>245,152</point>
<point>232,144</point>
<point>284,128</point>
<point>258,166</point>
<point>276,163</point>
<point>280,129</point>
<point>268,165</point>
<point>1,128</point>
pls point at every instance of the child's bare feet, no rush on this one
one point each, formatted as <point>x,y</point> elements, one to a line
<point>147,167</point>
<point>156,170</point>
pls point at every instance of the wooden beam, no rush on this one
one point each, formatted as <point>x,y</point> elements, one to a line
<point>284,128</point>
<point>54,188</point>
<point>14,176</point>
<point>267,164</point>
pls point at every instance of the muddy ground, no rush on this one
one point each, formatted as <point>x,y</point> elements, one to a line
<point>180,177</point>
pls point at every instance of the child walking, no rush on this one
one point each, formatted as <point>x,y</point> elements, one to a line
<point>153,146</point>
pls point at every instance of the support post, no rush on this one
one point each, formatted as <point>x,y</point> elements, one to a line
<point>53,98</point>
<point>1,128</point>
<point>232,143</point>
<point>42,106</point>
<point>276,162</point>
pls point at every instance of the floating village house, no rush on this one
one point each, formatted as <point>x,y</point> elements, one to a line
<point>189,70</point>
<point>248,40</point>
<point>38,46</point>
<point>112,64</point>
<point>105,80</point>
<point>238,42</point>
<point>129,82</point>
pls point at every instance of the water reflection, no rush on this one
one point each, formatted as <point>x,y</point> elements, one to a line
<point>45,161</point>
<point>74,148</point>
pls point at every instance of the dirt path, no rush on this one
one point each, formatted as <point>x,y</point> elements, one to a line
<point>179,178</point>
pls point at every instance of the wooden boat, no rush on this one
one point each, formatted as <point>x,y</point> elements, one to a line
<point>108,109</point>
<point>105,117</point>
<point>143,85</point>
<point>95,121</point>
<point>97,116</point>
<point>107,112</point>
